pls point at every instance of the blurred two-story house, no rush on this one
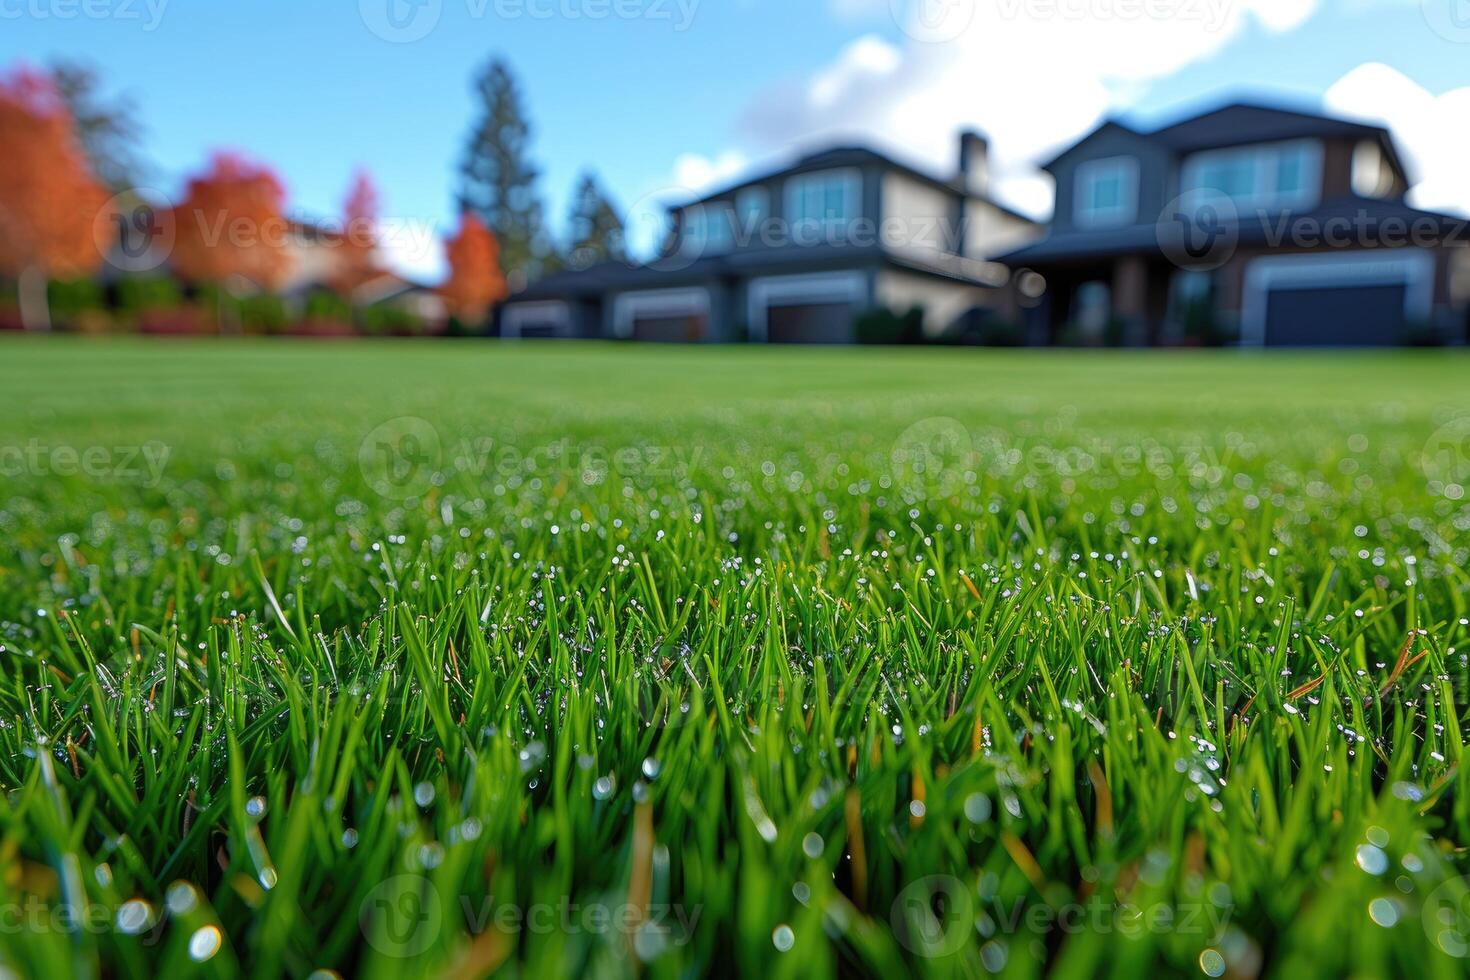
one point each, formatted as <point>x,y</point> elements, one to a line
<point>798,256</point>
<point>1259,225</point>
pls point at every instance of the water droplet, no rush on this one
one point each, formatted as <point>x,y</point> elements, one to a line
<point>1212,963</point>
<point>604,787</point>
<point>134,916</point>
<point>255,807</point>
<point>1384,912</point>
<point>204,943</point>
<point>423,794</point>
<point>783,938</point>
<point>1372,859</point>
<point>812,845</point>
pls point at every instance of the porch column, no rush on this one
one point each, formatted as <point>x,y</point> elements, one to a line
<point>1130,298</point>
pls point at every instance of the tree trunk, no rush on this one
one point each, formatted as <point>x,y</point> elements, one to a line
<point>35,306</point>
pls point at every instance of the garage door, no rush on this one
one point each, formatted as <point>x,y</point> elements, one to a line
<point>1357,316</point>
<point>810,323</point>
<point>669,329</point>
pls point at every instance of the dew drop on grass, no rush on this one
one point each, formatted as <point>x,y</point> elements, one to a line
<point>603,788</point>
<point>651,768</point>
<point>1384,912</point>
<point>134,916</point>
<point>255,807</point>
<point>1372,859</point>
<point>423,794</point>
<point>349,838</point>
<point>812,845</point>
<point>783,938</point>
<point>977,808</point>
<point>204,943</point>
<point>181,898</point>
<point>1212,963</point>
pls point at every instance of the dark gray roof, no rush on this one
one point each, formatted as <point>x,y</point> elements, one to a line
<point>1240,123</point>
<point>1369,213</point>
<point>857,156</point>
<point>743,263</point>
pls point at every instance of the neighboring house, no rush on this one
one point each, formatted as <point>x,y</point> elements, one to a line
<point>796,256</point>
<point>1271,226</point>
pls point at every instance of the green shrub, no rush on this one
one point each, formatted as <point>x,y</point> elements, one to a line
<point>885,327</point>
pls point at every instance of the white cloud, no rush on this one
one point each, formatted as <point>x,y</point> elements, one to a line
<point>1033,74</point>
<point>1430,130</point>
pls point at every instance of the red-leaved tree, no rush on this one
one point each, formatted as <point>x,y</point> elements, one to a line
<point>49,199</point>
<point>230,226</point>
<point>475,282</point>
<point>357,263</point>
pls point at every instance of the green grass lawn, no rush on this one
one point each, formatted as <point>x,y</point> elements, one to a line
<point>443,659</point>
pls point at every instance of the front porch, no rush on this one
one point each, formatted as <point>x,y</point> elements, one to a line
<point>1121,301</point>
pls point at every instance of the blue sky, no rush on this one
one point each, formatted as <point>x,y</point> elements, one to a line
<point>689,92</point>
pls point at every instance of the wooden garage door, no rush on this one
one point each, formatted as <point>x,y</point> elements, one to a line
<point>669,329</point>
<point>1349,316</point>
<point>810,323</point>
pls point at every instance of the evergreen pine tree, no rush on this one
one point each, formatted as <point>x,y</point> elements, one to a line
<point>596,230</point>
<point>498,179</point>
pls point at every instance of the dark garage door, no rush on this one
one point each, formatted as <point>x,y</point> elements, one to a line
<point>669,329</point>
<point>1357,316</point>
<point>810,323</point>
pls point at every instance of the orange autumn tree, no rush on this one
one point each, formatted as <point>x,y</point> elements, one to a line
<point>475,282</point>
<point>230,226</point>
<point>357,263</point>
<point>49,199</point>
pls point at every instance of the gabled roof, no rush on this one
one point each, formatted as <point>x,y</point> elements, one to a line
<point>1240,123</point>
<point>854,155</point>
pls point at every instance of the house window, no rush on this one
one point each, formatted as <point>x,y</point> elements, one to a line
<point>752,207</point>
<point>1275,175</point>
<point>830,200</point>
<point>1372,176</point>
<point>707,229</point>
<point>1107,192</point>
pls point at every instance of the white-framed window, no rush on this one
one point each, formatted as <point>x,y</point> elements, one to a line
<point>829,199</point>
<point>1372,176</point>
<point>1268,175</point>
<point>752,207</point>
<point>708,229</point>
<point>1107,192</point>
